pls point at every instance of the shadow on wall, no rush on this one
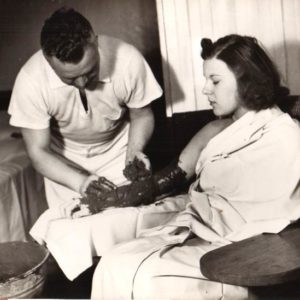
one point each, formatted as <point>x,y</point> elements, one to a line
<point>289,68</point>
<point>4,99</point>
<point>175,91</point>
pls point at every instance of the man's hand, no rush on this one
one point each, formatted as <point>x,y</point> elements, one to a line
<point>86,183</point>
<point>139,156</point>
<point>137,169</point>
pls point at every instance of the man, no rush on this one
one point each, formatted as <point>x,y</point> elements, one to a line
<point>83,103</point>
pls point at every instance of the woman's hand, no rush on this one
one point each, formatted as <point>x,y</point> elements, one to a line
<point>137,193</point>
<point>95,185</point>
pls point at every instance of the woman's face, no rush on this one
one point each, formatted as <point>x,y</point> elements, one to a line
<point>221,89</point>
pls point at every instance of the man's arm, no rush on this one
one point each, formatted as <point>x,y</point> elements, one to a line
<point>49,164</point>
<point>140,132</point>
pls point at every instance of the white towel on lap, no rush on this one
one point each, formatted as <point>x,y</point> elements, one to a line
<point>74,242</point>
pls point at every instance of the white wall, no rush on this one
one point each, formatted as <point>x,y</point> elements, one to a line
<point>21,20</point>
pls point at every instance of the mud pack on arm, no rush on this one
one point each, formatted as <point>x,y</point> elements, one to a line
<point>142,190</point>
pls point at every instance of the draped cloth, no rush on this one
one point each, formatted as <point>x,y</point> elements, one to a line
<point>247,183</point>
<point>74,242</point>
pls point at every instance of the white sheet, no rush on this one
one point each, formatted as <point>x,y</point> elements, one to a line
<point>95,235</point>
<point>22,197</point>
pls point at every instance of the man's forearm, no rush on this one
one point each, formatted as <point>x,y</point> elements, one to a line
<point>58,169</point>
<point>140,132</point>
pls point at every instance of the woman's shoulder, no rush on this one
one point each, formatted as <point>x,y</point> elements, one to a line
<point>286,133</point>
<point>207,133</point>
<point>285,124</point>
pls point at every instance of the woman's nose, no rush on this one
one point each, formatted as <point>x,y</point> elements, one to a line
<point>206,90</point>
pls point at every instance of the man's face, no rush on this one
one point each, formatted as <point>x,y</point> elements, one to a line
<point>84,74</point>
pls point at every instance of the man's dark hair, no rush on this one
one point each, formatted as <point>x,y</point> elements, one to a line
<point>65,34</point>
<point>257,77</point>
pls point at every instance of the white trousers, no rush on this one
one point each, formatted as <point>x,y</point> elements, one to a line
<point>140,269</point>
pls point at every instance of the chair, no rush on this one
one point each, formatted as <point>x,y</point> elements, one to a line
<point>263,260</point>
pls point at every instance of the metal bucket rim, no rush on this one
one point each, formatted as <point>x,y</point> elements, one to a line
<point>32,270</point>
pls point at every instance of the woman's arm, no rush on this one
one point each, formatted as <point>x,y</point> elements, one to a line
<point>144,190</point>
<point>190,154</point>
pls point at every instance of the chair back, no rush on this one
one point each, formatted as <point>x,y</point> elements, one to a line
<point>291,105</point>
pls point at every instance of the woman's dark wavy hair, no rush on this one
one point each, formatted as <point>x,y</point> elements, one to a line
<point>257,77</point>
<point>65,34</point>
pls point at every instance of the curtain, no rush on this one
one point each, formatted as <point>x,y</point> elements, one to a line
<point>183,23</point>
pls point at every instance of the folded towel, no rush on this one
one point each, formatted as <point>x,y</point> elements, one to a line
<point>74,242</point>
<point>68,240</point>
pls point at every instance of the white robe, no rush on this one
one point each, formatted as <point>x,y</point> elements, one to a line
<point>248,183</point>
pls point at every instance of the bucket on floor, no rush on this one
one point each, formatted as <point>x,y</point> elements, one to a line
<point>22,269</point>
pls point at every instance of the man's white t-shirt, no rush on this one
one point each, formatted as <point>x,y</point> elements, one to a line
<point>97,138</point>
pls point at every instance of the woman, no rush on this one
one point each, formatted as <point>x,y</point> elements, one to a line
<point>240,190</point>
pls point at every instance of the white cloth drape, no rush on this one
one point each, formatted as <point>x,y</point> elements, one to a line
<point>74,242</point>
<point>22,197</point>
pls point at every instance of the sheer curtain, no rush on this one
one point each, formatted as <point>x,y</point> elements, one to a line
<point>183,23</point>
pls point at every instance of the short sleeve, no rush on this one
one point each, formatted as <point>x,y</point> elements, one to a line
<point>27,105</point>
<point>140,83</point>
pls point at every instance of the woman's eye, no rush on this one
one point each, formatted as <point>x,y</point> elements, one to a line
<point>216,82</point>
